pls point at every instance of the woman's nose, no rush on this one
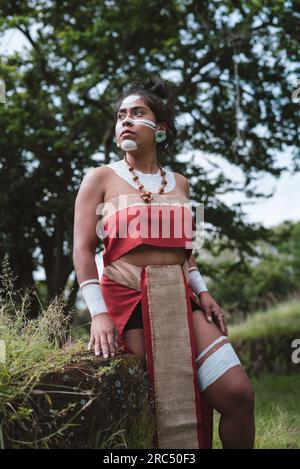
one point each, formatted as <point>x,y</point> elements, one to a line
<point>128,119</point>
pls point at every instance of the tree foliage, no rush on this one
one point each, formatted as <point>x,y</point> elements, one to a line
<point>230,65</point>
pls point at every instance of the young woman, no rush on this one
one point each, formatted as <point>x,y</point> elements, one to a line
<point>151,298</point>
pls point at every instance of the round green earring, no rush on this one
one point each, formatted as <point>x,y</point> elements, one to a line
<point>160,136</point>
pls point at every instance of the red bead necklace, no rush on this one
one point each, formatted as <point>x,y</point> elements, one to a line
<point>147,195</point>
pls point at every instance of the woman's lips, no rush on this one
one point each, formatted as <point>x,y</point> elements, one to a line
<point>127,133</point>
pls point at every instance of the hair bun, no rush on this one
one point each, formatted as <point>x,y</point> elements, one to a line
<point>153,85</point>
<point>157,87</point>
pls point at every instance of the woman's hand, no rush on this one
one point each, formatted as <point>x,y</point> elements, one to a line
<point>212,310</point>
<point>103,335</point>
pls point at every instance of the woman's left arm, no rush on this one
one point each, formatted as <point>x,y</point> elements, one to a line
<point>206,302</point>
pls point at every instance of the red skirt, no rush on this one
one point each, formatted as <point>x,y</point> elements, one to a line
<point>184,417</point>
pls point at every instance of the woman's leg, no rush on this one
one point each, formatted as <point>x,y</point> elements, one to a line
<point>133,334</point>
<point>231,394</point>
<point>134,338</point>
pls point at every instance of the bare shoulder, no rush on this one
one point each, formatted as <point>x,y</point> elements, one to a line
<point>183,183</point>
<point>97,174</point>
<point>96,177</point>
<point>93,184</point>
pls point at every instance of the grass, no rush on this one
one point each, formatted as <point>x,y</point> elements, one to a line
<point>277,412</point>
<point>33,348</point>
<point>277,404</point>
<point>283,318</point>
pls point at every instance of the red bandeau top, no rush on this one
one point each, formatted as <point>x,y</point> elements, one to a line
<point>127,221</point>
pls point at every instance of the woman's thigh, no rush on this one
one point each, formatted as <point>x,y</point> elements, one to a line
<point>232,393</point>
<point>233,383</point>
<point>233,389</point>
<point>204,332</point>
<point>134,338</point>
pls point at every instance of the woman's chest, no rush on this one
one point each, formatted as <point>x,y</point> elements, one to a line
<point>116,186</point>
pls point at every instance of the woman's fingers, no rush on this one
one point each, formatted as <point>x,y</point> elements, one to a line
<point>222,324</point>
<point>104,345</point>
<point>116,338</point>
<point>91,342</point>
<point>111,343</point>
<point>226,328</point>
<point>107,343</point>
<point>207,313</point>
<point>221,320</point>
<point>97,345</point>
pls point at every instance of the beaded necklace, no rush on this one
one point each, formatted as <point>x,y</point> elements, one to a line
<point>147,195</point>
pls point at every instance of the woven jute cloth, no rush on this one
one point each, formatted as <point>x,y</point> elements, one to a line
<point>170,348</point>
<point>129,275</point>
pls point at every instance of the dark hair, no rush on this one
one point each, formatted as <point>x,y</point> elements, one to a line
<point>156,94</point>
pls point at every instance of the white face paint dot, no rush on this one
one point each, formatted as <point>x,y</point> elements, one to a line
<point>128,145</point>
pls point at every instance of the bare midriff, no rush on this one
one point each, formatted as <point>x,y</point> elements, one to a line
<point>146,254</point>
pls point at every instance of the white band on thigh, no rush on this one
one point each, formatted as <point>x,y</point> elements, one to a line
<point>217,363</point>
<point>219,339</point>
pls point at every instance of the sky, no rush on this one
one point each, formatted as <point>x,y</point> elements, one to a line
<point>284,203</point>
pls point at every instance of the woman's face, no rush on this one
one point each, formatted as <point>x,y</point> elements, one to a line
<point>143,132</point>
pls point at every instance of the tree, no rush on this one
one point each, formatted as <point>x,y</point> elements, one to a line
<point>231,65</point>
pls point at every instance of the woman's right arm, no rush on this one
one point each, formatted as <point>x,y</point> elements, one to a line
<point>85,240</point>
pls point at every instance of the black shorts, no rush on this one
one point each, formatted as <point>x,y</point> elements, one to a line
<point>136,319</point>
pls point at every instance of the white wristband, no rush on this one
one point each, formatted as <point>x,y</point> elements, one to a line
<point>196,281</point>
<point>92,295</point>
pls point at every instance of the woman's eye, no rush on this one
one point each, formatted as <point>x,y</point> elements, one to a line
<point>136,112</point>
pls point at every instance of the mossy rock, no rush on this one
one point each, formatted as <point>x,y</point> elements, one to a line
<point>92,403</point>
